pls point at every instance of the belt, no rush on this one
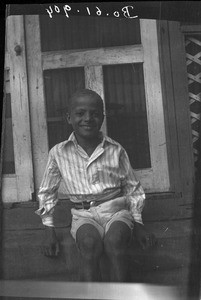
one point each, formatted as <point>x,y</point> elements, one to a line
<point>87,205</point>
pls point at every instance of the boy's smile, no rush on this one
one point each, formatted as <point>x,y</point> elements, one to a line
<point>86,117</point>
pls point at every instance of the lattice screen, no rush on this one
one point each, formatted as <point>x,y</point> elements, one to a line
<point>193,61</point>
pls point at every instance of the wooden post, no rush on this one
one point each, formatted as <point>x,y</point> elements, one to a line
<point>37,97</point>
<point>155,111</point>
<point>182,112</point>
<point>20,108</point>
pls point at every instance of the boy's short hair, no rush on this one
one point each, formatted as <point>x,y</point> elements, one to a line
<point>84,92</point>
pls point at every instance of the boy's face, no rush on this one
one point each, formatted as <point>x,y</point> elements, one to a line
<point>86,117</point>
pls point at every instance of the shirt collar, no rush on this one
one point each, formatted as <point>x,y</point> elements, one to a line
<point>72,139</point>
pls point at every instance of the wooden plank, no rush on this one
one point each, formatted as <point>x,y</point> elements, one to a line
<point>21,217</point>
<point>37,98</point>
<point>169,106</point>
<point>22,249</point>
<point>68,59</point>
<point>6,62</point>
<point>171,229</point>
<point>7,81</point>
<point>85,290</point>
<point>94,81</point>
<point>9,188</point>
<point>166,209</point>
<point>20,108</point>
<point>195,29</point>
<point>180,85</point>
<point>155,112</point>
<point>8,182</point>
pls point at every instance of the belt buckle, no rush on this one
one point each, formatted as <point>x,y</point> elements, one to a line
<point>92,203</point>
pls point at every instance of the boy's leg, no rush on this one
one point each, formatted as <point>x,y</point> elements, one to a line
<point>116,243</point>
<point>90,244</point>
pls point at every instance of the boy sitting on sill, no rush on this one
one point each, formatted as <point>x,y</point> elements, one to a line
<point>107,198</point>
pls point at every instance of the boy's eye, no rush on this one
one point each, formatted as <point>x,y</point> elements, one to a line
<point>79,113</point>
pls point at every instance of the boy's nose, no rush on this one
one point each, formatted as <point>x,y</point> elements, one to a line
<point>88,116</point>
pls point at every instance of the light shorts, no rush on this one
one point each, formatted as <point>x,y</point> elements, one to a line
<point>101,216</point>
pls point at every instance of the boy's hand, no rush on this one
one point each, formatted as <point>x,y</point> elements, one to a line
<point>145,238</point>
<point>50,245</point>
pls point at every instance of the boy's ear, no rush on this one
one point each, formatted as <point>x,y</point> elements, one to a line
<point>68,118</point>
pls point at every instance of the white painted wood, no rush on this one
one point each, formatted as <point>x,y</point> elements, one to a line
<point>86,290</point>
<point>8,182</point>
<point>102,56</point>
<point>155,113</point>
<point>146,177</point>
<point>36,98</point>
<point>6,62</point>
<point>7,81</point>
<point>9,188</point>
<point>94,81</point>
<point>20,110</point>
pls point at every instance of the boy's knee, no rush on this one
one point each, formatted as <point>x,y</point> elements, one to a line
<point>117,240</point>
<point>90,246</point>
<point>113,242</point>
<point>87,243</point>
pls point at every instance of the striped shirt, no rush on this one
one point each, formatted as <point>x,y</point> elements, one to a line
<point>102,176</point>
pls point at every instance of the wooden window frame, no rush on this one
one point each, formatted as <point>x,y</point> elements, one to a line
<point>154,179</point>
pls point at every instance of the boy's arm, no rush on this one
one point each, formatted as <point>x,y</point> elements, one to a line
<point>131,188</point>
<point>48,191</point>
<point>47,200</point>
<point>145,238</point>
<point>135,198</point>
<point>50,246</point>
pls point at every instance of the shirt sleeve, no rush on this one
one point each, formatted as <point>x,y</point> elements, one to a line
<point>48,192</point>
<point>131,188</point>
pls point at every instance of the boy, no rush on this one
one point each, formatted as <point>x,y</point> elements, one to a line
<point>101,184</point>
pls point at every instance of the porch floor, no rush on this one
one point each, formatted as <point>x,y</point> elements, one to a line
<point>167,264</point>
